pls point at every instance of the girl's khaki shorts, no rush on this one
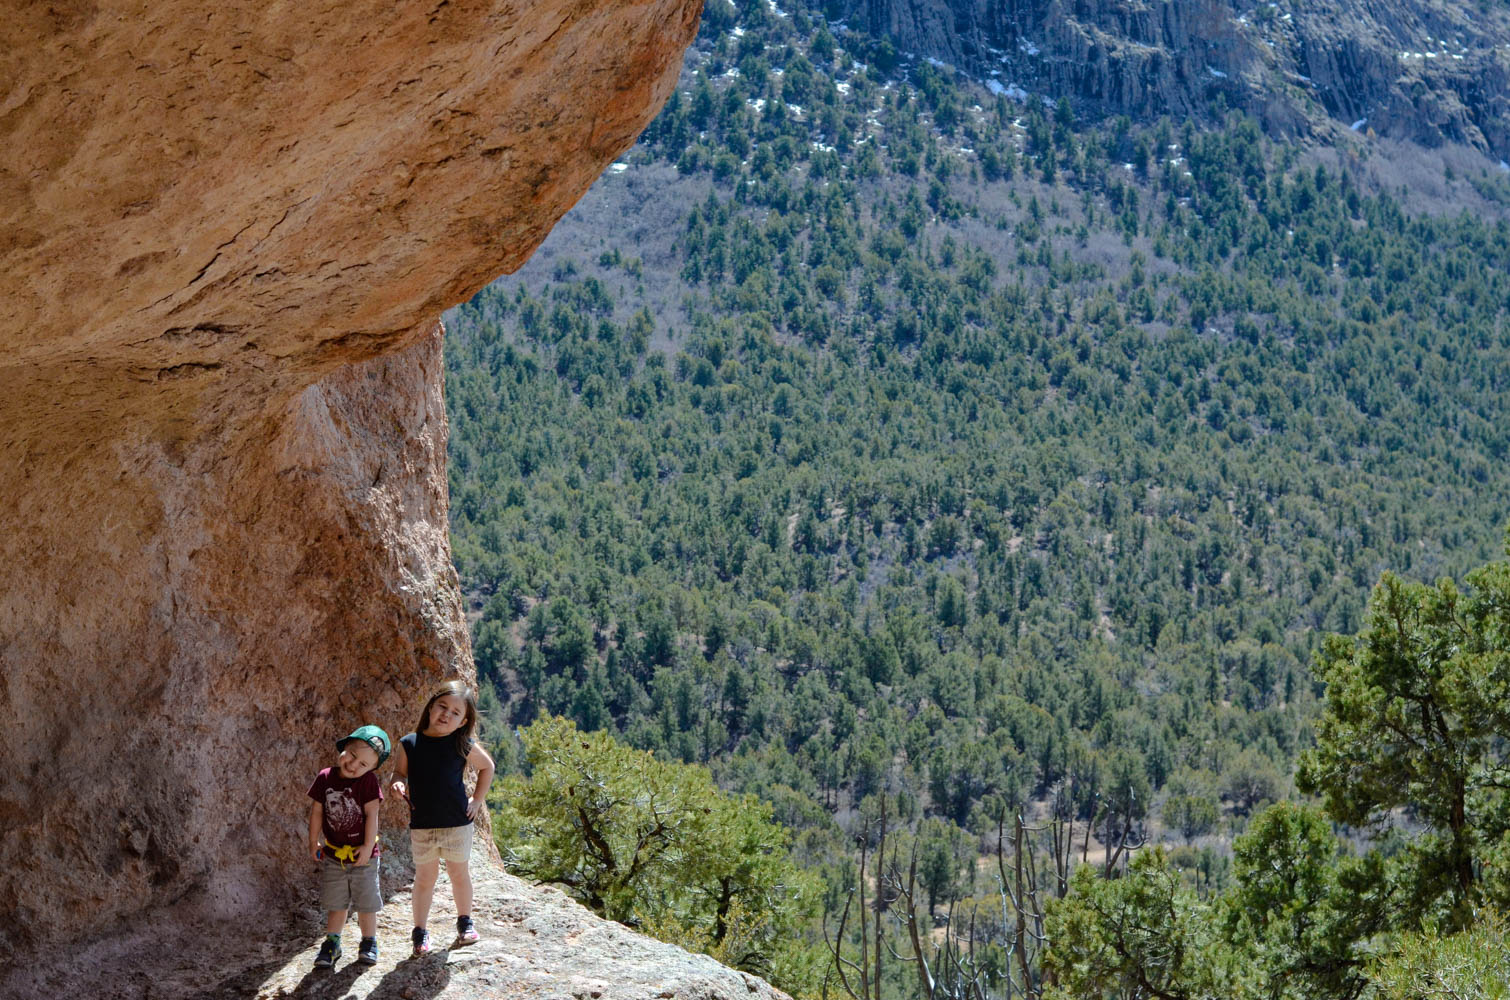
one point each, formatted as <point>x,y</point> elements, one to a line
<point>447,843</point>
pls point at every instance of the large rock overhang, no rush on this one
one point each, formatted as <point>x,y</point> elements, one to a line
<point>228,231</point>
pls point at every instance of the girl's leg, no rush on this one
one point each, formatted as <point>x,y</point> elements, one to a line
<point>460,873</point>
<point>424,890</point>
<point>334,921</point>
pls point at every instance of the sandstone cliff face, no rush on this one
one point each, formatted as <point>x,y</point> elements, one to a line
<point>227,231</point>
<point>1428,71</point>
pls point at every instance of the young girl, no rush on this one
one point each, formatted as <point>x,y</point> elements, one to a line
<point>433,758</point>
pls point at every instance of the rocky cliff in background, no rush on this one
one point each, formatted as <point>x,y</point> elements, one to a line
<point>227,232</point>
<point>1428,71</point>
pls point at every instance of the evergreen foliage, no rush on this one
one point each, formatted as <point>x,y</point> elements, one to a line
<point>947,447</point>
<point>652,843</point>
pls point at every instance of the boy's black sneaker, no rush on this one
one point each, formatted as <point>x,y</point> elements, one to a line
<point>421,939</point>
<point>367,951</point>
<point>330,952</point>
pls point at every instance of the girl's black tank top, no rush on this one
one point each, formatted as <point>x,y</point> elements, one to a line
<point>437,797</point>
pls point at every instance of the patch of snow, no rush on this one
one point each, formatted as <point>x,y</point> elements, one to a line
<point>1028,47</point>
<point>820,147</point>
<point>617,168</point>
<point>1127,166</point>
<point>758,104</point>
<point>1505,166</point>
<point>738,32</point>
<point>775,9</point>
<point>936,63</point>
<point>995,87</point>
<point>1216,72</point>
<point>795,109</point>
<point>1357,126</point>
<point>842,88</point>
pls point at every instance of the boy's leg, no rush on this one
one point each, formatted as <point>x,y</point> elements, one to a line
<point>367,895</point>
<point>334,921</point>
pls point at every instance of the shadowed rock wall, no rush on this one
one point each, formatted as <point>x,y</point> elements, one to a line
<point>227,231</point>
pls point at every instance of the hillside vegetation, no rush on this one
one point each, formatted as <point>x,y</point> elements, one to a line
<point>918,442</point>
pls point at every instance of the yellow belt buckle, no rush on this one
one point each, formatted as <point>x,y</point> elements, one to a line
<point>341,854</point>
<point>346,853</point>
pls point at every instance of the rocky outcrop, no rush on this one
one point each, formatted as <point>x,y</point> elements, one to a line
<point>536,944</point>
<point>228,230</point>
<point>1429,71</point>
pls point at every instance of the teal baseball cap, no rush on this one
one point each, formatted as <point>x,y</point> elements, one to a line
<point>373,737</point>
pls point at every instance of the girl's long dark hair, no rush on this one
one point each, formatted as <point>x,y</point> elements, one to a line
<point>463,734</point>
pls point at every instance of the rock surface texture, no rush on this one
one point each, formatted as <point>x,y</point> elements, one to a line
<point>536,944</point>
<point>1427,71</point>
<point>227,232</point>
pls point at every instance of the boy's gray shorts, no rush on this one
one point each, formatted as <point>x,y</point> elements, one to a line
<point>349,887</point>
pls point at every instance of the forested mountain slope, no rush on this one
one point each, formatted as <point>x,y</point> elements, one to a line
<point>865,430</point>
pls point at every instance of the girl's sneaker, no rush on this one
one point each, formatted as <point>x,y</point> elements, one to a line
<point>367,953</point>
<point>465,932</point>
<point>330,953</point>
<point>421,939</point>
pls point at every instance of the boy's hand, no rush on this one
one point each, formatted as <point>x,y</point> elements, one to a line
<point>314,849</point>
<point>364,855</point>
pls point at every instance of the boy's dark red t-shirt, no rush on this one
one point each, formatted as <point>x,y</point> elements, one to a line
<point>342,802</point>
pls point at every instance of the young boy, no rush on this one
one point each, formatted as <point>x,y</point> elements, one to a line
<point>343,835</point>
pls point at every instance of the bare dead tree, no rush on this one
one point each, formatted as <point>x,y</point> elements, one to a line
<point>1062,831</point>
<point>906,913</point>
<point>949,968</point>
<point>1022,899</point>
<point>861,980</point>
<point>1129,836</point>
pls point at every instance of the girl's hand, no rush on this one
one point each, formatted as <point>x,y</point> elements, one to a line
<point>400,789</point>
<point>474,806</point>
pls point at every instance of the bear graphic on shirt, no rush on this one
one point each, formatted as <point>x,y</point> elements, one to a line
<point>342,812</point>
